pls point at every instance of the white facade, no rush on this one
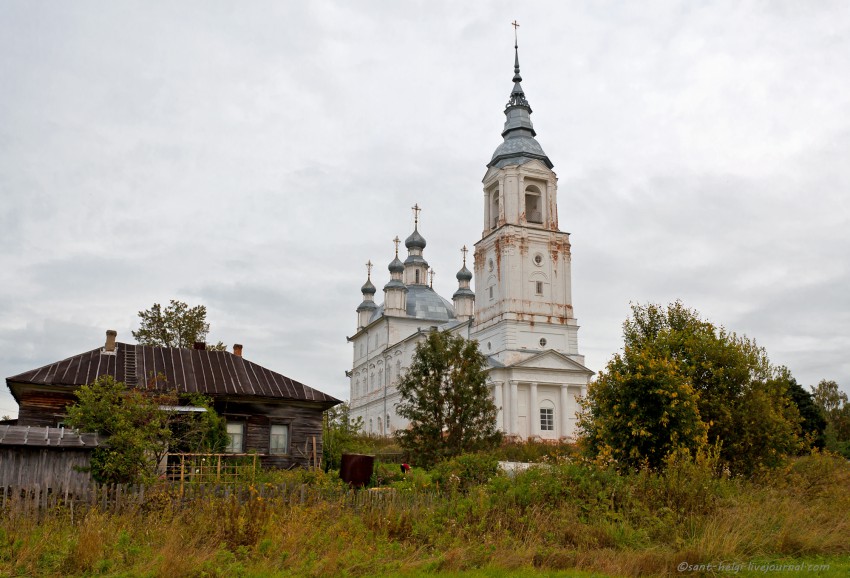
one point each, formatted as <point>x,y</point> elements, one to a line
<point>523,317</point>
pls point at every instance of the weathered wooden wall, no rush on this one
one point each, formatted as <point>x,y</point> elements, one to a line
<point>304,421</point>
<point>43,407</point>
<point>57,469</point>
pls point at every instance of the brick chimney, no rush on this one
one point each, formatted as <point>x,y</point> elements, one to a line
<point>111,334</point>
<point>200,345</point>
<point>237,349</point>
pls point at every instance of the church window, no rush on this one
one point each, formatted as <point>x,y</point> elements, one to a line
<point>387,423</point>
<point>279,439</point>
<point>494,209</point>
<point>417,277</point>
<point>533,209</point>
<point>380,427</point>
<point>547,416</point>
<point>539,286</point>
<point>490,290</point>
<point>397,370</point>
<point>370,425</point>
<point>538,259</point>
<point>542,342</point>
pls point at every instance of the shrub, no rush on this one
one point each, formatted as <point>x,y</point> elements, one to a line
<point>465,470</point>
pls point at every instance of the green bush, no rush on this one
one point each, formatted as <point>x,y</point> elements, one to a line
<point>465,470</point>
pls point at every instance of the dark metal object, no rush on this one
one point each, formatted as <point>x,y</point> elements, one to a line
<point>356,469</point>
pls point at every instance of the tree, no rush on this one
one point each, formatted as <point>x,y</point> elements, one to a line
<point>813,424</point>
<point>141,426</point>
<point>742,401</point>
<point>446,398</point>
<point>835,408</point>
<point>339,434</point>
<point>178,325</point>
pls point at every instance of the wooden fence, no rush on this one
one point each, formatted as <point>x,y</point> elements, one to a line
<point>38,502</point>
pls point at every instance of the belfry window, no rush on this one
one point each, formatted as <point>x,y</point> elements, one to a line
<point>494,209</point>
<point>533,206</point>
<point>417,277</point>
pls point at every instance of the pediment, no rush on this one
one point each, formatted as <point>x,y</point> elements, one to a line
<point>551,359</point>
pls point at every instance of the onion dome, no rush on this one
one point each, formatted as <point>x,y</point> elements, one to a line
<point>464,274</point>
<point>415,240</point>
<point>368,288</point>
<point>396,266</point>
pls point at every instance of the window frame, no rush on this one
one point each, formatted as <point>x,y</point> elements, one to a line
<point>230,449</point>
<point>272,449</point>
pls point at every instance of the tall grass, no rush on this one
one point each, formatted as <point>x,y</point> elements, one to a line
<point>563,515</point>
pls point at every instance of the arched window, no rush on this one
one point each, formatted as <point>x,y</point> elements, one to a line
<point>388,423</point>
<point>494,209</point>
<point>547,416</point>
<point>370,425</point>
<point>357,388</point>
<point>533,205</point>
<point>380,427</point>
<point>417,277</point>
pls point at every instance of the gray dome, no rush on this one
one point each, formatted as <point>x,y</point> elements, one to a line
<point>415,240</point>
<point>396,266</point>
<point>464,274</point>
<point>423,303</point>
<point>368,288</point>
<point>518,150</point>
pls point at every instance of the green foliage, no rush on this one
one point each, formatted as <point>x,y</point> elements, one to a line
<point>813,424</point>
<point>835,408</point>
<point>445,397</point>
<point>465,471</point>
<point>141,428</point>
<point>340,434</point>
<point>178,325</point>
<point>681,382</point>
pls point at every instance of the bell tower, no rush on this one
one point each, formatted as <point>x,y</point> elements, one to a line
<point>523,295</point>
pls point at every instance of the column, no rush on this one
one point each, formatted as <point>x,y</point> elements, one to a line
<point>497,400</point>
<point>514,429</point>
<point>564,410</point>
<point>533,412</point>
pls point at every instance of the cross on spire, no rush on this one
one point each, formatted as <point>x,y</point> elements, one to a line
<point>369,269</point>
<point>416,209</point>
<point>515,24</point>
<point>396,241</point>
<point>464,251</point>
<point>432,273</point>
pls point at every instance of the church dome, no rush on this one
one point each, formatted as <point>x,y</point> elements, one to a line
<point>423,303</point>
<point>464,274</point>
<point>368,288</point>
<point>518,150</point>
<point>415,240</point>
<point>396,266</point>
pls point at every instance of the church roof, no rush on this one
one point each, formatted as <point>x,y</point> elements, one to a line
<point>187,370</point>
<point>520,145</point>
<point>415,240</point>
<point>423,303</point>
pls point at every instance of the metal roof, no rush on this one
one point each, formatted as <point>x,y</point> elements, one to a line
<point>214,373</point>
<point>20,435</point>
<point>423,303</point>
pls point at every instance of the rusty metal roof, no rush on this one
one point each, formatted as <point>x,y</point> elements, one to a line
<point>19,435</point>
<point>216,373</point>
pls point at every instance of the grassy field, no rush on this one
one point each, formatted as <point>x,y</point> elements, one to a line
<point>562,519</point>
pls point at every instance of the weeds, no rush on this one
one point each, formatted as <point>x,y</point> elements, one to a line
<point>562,515</point>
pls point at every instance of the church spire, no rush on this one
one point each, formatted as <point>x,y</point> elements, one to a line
<point>519,146</point>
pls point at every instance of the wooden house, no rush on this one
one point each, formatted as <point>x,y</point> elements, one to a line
<point>266,412</point>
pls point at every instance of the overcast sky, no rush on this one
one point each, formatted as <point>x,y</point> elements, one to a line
<point>251,157</point>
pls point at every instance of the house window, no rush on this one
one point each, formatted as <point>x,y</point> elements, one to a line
<point>547,419</point>
<point>279,439</point>
<point>539,287</point>
<point>236,435</point>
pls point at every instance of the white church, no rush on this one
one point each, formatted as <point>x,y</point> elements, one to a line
<point>520,312</point>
